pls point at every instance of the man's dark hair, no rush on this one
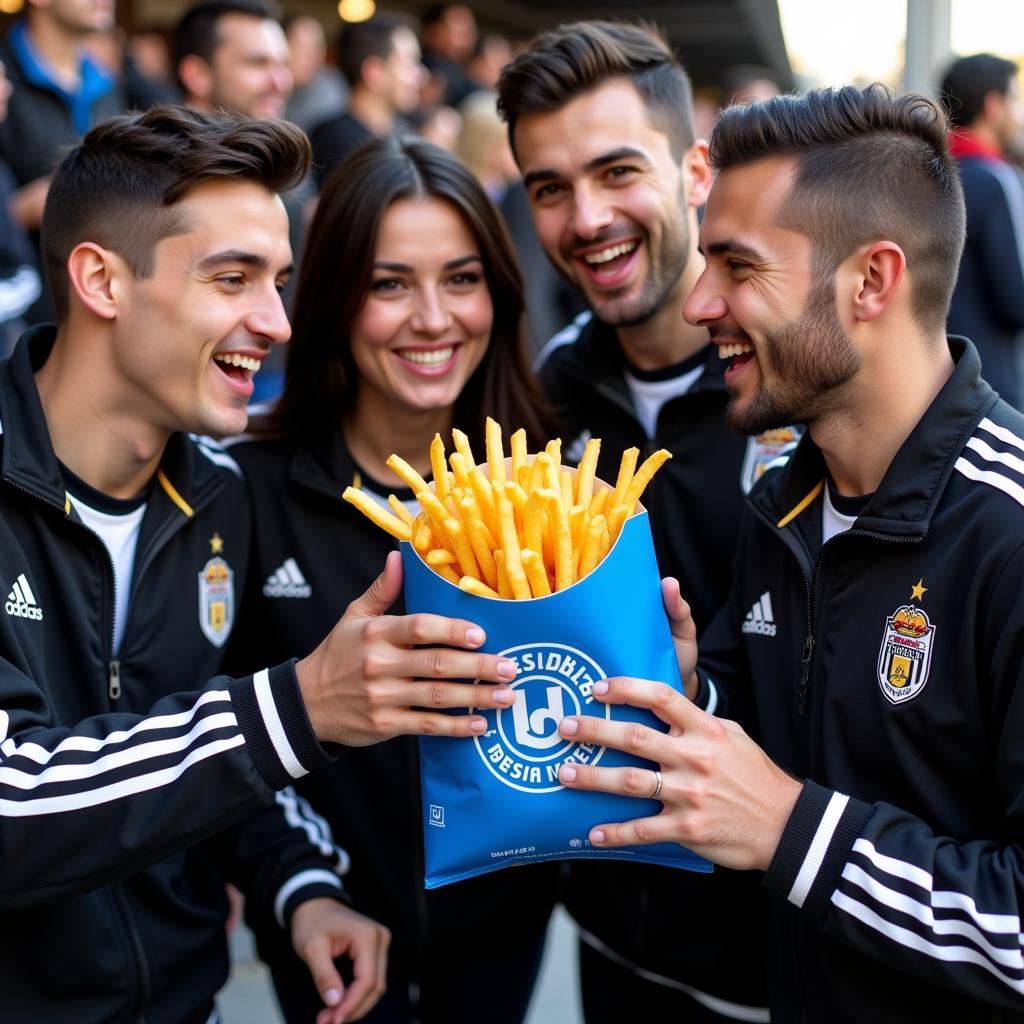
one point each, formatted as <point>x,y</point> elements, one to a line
<point>969,80</point>
<point>869,166</point>
<point>371,38</point>
<point>574,59</point>
<point>120,186</point>
<point>196,32</point>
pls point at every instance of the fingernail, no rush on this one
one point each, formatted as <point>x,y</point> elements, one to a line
<point>503,695</point>
<point>478,725</point>
<point>332,997</point>
<point>567,774</point>
<point>507,669</point>
<point>597,836</point>
<point>600,687</point>
<point>569,727</point>
<point>474,635</point>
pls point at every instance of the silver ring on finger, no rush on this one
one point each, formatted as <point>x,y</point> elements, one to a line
<point>658,781</point>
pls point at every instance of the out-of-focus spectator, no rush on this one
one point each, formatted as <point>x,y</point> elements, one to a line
<point>321,91</point>
<point>59,92</point>
<point>150,53</point>
<point>380,59</point>
<point>491,53</point>
<point>232,55</point>
<point>449,39</point>
<point>982,96</point>
<point>110,50</point>
<point>483,145</point>
<point>747,83</point>
<point>19,281</point>
<point>440,125</point>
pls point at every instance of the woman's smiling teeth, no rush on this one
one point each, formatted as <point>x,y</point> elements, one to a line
<point>736,349</point>
<point>595,259</point>
<point>427,357</point>
<point>243,362</point>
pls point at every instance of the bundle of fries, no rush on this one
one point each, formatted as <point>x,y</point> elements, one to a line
<point>526,527</point>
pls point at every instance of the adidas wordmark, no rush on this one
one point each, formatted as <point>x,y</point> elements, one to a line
<point>21,602</point>
<point>760,619</point>
<point>287,581</point>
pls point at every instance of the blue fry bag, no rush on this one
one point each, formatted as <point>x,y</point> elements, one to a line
<point>495,800</point>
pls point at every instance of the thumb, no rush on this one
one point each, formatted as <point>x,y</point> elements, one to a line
<point>678,611</point>
<point>383,592</point>
<point>317,954</point>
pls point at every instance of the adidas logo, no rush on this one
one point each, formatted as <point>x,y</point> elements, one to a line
<point>21,602</point>
<point>288,581</point>
<point>760,619</point>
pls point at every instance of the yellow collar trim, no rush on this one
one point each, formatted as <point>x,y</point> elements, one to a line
<point>173,494</point>
<point>801,505</point>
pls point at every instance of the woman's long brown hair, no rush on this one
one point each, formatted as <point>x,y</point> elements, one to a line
<point>321,376</point>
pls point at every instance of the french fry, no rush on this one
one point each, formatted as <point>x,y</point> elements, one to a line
<point>460,470</point>
<point>565,481</point>
<point>475,587</point>
<point>446,572</point>
<point>504,587</point>
<point>495,451</point>
<point>432,505</point>
<point>591,547</point>
<point>480,540</point>
<point>376,514</point>
<point>561,537</point>
<point>554,450</point>
<point>442,481</point>
<point>587,470</point>
<point>599,501</point>
<point>462,446</point>
<point>481,488</point>
<point>578,520</point>
<point>441,556</point>
<point>626,468</point>
<point>510,542</point>
<point>616,518</point>
<point>523,474</point>
<point>463,549</point>
<point>400,510</point>
<point>539,472</point>
<point>535,573</point>
<point>518,498</point>
<point>517,447</point>
<point>422,534</point>
<point>606,544</point>
<point>650,466</point>
<point>533,522</point>
<point>409,476</point>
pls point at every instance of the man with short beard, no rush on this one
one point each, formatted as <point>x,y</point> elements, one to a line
<point>874,637</point>
<point>601,124</point>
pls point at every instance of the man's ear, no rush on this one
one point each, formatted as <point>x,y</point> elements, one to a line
<point>93,273</point>
<point>876,273</point>
<point>371,71</point>
<point>697,174</point>
<point>196,76</point>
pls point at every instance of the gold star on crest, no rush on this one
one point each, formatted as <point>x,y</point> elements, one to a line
<point>918,590</point>
<point>216,544</point>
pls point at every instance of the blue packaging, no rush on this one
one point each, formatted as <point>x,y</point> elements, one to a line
<point>494,801</point>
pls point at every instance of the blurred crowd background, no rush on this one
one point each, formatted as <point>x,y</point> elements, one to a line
<point>347,71</point>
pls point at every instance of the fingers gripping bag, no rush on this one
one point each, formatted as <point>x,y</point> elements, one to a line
<point>559,570</point>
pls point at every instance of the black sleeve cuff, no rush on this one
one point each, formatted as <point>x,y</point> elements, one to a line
<point>815,847</point>
<point>272,717</point>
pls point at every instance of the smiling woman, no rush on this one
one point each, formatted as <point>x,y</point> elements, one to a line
<point>408,323</point>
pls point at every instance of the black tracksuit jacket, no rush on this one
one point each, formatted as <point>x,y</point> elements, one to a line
<point>118,773</point>
<point>888,671</point>
<point>707,931</point>
<point>312,555</point>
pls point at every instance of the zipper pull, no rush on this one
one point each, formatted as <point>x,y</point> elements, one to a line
<point>805,675</point>
<point>115,680</point>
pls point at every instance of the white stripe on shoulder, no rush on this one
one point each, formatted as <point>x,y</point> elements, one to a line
<point>819,847</point>
<point>993,478</point>
<point>274,727</point>
<point>1013,191</point>
<point>566,336</point>
<point>314,876</point>
<point>1004,435</point>
<point>116,790</point>
<point>910,939</point>
<point>213,451</point>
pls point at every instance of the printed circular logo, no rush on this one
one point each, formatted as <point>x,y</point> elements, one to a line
<point>521,747</point>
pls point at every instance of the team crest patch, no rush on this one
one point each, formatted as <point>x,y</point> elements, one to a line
<point>216,601</point>
<point>906,655</point>
<point>522,747</point>
<point>763,450</point>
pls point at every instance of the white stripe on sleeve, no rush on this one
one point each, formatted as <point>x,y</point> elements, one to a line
<point>299,881</point>
<point>818,848</point>
<point>272,721</point>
